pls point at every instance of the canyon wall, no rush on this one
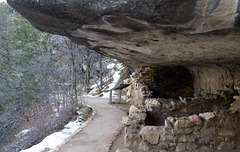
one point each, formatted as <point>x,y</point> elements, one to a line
<point>186,56</point>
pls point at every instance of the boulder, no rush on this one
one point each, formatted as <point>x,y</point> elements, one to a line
<point>181,147</point>
<point>207,115</point>
<point>184,123</point>
<point>133,110</point>
<point>208,130</point>
<point>137,113</point>
<point>235,106</point>
<point>144,146</point>
<point>192,146</point>
<point>161,146</point>
<point>226,146</point>
<point>152,103</point>
<point>186,138</point>
<point>125,119</point>
<point>195,119</point>
<point>151,134</point>
<point>132,140</point>
<point>168,138</point>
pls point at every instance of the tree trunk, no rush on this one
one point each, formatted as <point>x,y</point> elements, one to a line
<point>74,96</point>
<point>101,81</point>
<point>87,70</point>
<point>74,85</point>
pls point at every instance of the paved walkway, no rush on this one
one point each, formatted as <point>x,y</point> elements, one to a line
<point>98,135</point>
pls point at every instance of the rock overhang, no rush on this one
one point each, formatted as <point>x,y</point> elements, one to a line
<point>144,33</point>
<point>201,37</point>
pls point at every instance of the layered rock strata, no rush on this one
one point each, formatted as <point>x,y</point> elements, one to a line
<point>188,97</point>
<point>144,33</point>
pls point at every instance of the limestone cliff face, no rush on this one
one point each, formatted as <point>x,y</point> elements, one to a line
<point>144,32</point>
<point>192,48</point>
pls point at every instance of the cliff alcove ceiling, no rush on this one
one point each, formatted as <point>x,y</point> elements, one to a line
<point>144,33</point>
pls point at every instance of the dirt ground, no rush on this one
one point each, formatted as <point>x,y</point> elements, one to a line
<point>118,143</point>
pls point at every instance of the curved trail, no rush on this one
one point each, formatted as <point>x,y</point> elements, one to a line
<point>98,135</point>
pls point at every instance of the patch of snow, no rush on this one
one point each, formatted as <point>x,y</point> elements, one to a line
<point>23,132</point>
<point>116,78</point>
<point>110,66</point>
<point>57,114</point>
<point>26,131</point>
<point>115,72</point>
<point>58,138</point>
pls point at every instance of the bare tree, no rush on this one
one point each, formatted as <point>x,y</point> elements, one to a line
<point>87,76</point>
<point>73,70</point>
<point>101,80</point>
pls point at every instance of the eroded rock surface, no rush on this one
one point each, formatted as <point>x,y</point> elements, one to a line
<point>186,56</point>
<point>140,32</point>
<point>207,121</point>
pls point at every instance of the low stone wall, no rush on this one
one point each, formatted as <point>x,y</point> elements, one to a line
<point>209,122</point>
<point>203,131</point>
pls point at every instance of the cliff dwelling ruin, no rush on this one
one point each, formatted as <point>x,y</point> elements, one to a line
<point>186,55</point>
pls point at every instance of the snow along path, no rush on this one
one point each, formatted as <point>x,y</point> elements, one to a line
<point>51,142</point>
<point>115,74</point>
<point>99,134</point>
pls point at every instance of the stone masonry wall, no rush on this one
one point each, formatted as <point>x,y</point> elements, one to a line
<point>209,122</point>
